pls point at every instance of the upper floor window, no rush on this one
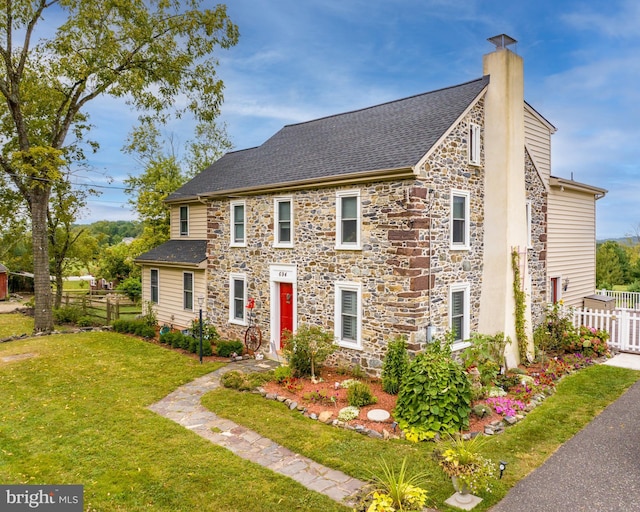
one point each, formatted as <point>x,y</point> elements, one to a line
<point>459,313</point>
<point>348,316</point>
<point>459,224</point>
<point>184,221</point>
<point>348,219</point>
<point>474,144</point>
<point>283,224</point>
<point>154,288</point>
<point>237,298</point>
<point>238,223</point>
<point>187,291</point>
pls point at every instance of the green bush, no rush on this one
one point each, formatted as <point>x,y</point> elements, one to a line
<point>557,333</point>
<point>359,395</point>
<point>194,346</point>
<point>435,395</point>
<point>486,353</point>
<point>307,349</point>
<point>226,348</point>
<point>281,373</point>
<point>85,321</point>
<point>67,314</point>
<point>121,325</point>
<point>132,287</point>
<point>234,379</point>
<point>395,365</point>
<point>209,331</point>
<point>137,327</point>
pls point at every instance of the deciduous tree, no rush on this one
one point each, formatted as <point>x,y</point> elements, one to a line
<point>154,54</point>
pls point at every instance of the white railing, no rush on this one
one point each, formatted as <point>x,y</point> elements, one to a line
<point>623,326</point>
<point>627,300</point>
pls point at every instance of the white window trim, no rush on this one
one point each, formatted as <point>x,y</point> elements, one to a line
<point>348,286</point>
<point>276,222</point>
<point>467,221</point>
<point>184,291</point>
<point>339,244</point>
<point>232,220</point>
<point>232,319</point>
<point>186,207</point>
<point>474,144</point>
<point>529,210</point>
<point>157,271</point>
<point>466,321</point>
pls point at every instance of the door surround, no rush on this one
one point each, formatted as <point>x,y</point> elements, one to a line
<point>281,273</point>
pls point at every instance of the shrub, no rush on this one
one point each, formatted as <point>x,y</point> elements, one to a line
<point>194,346</point>
<point>307,349</point>
<point>395,365</point>
<point>85,321</point>
<point>359,395</point>
<point>234,379</point>
<point>486,353</point>
<point>132,288</point>
<point>121,325</point>
<point>209,331</point>
<point>481,410</point>
<point>281,373</point>
<point>435,395</point>
<point>137,327</point>
<point>557,333</point>
<point>348,413</point>
<point>67,314</point>
<point>226,348</point>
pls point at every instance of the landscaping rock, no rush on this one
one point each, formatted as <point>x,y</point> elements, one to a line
<point>271,396</point>
<point>325,417</point>
<point>378,415</point>
<point>293,405</point>
<point>313,416</point>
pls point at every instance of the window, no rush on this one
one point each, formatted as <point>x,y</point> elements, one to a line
<point>187,291</point>
<point>237,298</point>
<point>184,221</point>
<point>348,220</point>
<point>474,144</point>
<point>154,292</point>
<point>237,224</point>
<point>283,225</point>
<point>459,313</point>
<point>529,243</point>
<point>459,219</point>
<point>348,318</point>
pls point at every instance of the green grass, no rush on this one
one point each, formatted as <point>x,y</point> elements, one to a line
<point>76,413</point>
<point>579,398</point>
<point>13,324</point>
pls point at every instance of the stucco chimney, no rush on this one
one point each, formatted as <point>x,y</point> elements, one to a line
<point>505,226</point>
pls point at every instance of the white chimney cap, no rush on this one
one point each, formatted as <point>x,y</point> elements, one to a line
<point>502,41</point>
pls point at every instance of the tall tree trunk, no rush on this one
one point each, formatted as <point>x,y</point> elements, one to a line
<point>43,314</point>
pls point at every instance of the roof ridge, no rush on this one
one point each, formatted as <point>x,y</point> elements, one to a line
<point>385,103</point>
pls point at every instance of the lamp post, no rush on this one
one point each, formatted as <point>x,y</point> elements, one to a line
<point>200,302</point>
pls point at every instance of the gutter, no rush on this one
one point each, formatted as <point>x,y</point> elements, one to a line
<point>311,183</point>
<point>563,183</point>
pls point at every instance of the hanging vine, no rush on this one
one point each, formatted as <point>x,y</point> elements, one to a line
<point>519,296</point>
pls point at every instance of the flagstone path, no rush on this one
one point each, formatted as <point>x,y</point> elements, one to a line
<point>183,406</point>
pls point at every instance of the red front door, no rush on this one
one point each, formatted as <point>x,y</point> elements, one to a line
<point>286,308</point>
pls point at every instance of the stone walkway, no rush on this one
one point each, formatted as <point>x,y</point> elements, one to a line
<point>183,406</point>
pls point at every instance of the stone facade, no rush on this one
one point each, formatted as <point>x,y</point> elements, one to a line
<point>537,253</point>
<point>405,267</point>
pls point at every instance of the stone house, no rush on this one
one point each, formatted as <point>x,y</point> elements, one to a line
<point>398,219</point>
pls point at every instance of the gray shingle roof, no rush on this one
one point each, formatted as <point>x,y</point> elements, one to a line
<point>393,135</point>
<point>3,269</point>
<point>190,252</point>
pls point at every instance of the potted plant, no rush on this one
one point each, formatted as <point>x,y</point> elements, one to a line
<point>469,470</point>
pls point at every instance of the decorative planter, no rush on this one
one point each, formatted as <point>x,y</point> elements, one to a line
<point>462,499</point>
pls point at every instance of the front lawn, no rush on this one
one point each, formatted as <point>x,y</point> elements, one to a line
<point>76,413</point>
<point>579,398</point>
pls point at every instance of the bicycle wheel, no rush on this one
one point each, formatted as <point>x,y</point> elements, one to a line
<point>253,338</point>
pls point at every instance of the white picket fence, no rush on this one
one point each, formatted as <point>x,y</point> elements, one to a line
<point>623,326</point>
<point>624,300</point>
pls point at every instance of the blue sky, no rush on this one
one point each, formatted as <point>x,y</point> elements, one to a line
<point>299,60</point>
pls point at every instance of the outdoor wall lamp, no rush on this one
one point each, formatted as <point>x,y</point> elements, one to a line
<point>565,284</point>
<point>502,466</point>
